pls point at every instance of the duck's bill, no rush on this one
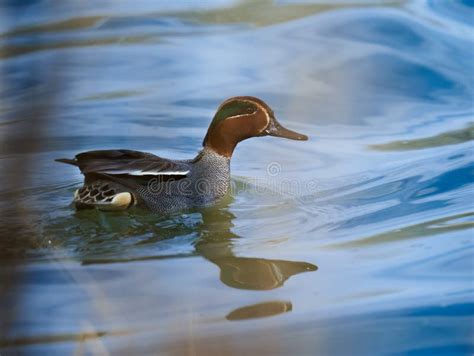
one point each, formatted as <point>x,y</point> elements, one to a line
<point>277,130</point>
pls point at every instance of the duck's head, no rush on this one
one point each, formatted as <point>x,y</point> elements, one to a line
<point>242,117</point>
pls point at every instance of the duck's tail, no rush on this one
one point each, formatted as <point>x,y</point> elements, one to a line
<point>101,191</point>
<point>67,161</point>
<point>103,195</point>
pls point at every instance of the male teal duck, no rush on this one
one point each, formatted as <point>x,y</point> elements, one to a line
<point>119,179</point>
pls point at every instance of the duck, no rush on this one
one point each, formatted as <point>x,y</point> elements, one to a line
<point>121,179</point>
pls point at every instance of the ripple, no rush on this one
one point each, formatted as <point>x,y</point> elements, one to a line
<point>380,240</point>
<point>455,265</point>
<point>442,139</point>
<point>426,229</point>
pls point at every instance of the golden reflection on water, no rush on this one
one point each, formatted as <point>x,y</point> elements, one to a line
<point>9,51</point>
<point>252,12</point>
<point>260,310</point>
<point>429,228</point>
<point>454,137</point>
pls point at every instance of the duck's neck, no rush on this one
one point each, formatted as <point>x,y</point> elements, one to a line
<point>221,144</point>
<point>222,138</point>
<point>211,175</point>
<point>210,158</point>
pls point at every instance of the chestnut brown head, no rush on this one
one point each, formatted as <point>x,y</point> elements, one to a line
<point>242,117</point>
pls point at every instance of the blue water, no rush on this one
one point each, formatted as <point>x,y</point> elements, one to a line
<point>358,241</point>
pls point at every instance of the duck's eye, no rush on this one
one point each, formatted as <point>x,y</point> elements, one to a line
<point>250,110</point>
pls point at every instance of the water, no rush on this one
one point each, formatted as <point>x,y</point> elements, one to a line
<point>358,241</point>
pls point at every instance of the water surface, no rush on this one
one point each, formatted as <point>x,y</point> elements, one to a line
<point>358,241</point>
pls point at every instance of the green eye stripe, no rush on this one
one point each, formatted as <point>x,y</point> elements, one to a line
<point>233,109</point>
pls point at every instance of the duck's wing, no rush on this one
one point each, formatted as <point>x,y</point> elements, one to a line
<point>126,162</point>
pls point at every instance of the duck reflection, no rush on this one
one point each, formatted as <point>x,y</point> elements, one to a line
<point>260,310</point>
<point>215,244</point>
<point>214,241</point>
<point>212,229</point>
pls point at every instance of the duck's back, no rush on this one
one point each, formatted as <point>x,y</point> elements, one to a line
<point>119,179</point>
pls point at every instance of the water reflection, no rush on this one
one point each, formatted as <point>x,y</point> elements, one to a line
<point>387,96</point>
<point>212,229</point>
<point>260,310</point>
<point>129,237</point>
<point>216,243</point>
<point>443,139</point>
